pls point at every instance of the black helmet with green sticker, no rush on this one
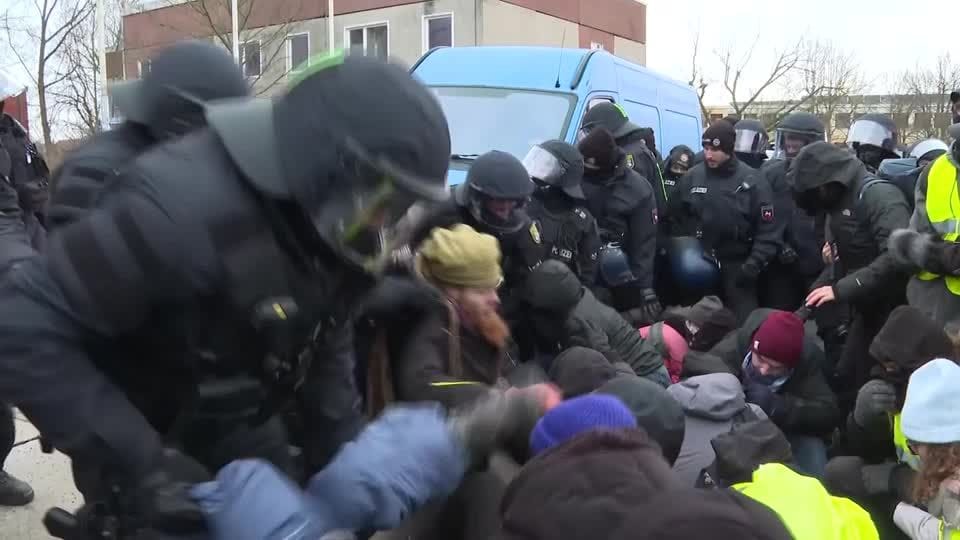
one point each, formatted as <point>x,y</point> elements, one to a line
<point>353,141</point>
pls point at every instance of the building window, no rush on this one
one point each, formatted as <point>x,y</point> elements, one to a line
<point>144,67</point>
<point>922,120</point>
<point>596,45</point>
<point>437,31</point>
<point>843,120</point>
<point>250,58</point>
<point>371,40</point>
<point>298,51</point>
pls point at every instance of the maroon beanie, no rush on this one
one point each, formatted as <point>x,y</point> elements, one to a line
<point>720,135</point>
<point>780,338</point>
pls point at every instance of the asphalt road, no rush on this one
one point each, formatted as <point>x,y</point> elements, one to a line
<point>49,474</point>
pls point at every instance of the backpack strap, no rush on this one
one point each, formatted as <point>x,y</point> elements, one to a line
<point>655,338</point>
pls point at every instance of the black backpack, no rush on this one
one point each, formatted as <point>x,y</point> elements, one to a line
<point>906,182</point>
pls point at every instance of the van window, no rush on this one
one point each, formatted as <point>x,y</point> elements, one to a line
<point>678,129</point>
<point>644,116</point>
<point>507,119</point>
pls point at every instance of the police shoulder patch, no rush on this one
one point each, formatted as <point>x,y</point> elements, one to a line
<point>535,232</point>
<point>630,161</point>
<point>766,213</point>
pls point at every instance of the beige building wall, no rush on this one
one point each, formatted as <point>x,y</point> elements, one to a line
<point>507,24</point>
<point>406,37</point>
<point>630,50</point>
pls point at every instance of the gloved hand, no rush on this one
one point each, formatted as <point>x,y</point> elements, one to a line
<point>406,457</point>
<point>162,494</point>
<point>874,399</point>
<point>762,396</point>
<point>788,256</point>
<point>651,306</point>
<point>501,418</point>
<point>748,275</point>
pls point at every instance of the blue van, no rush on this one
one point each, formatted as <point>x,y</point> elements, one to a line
<point>511,98</point>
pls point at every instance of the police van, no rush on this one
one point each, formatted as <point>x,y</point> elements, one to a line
<point>511,98</point>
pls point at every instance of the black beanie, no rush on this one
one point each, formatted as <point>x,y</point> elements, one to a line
<point>600,150</point>
<point>720,135</point>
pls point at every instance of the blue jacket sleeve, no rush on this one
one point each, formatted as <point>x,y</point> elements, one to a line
<point>405,458</point>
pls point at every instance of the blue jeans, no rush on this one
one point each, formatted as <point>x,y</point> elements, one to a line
<point>809,453</point>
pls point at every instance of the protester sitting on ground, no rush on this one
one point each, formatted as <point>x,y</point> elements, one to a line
<point>932,427</point>
<point>703,324</point>
<point>670,344</point>
<point>778,364</point>
<point>875,464</point>
<point>755,459</point>
<point>575,416</point>
<point>655,410</point>
<point>578,371</point>
<point>455,351</point>
<point>713,404</point>
<point>614,485</point>
<point>565,314</point>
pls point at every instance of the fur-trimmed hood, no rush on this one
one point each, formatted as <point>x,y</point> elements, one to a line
<point>913,249</point>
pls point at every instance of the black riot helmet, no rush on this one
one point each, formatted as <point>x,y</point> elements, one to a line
<point>338,157</point>
<point>751,137</point>
<point>795,131</point>
<point>609,116</point>
<point>873,137</point>
<point>169,99</point>
<point>496,178</point>
<point>556,165</point>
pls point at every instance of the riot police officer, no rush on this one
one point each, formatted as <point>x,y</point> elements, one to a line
<point>29,176</point>
<point>187,307</point>
<point>874,138</point>
<point>165,103</point>
<point>751,143</point>
<point>636,142</point>
<point>784,284</point>
<point>626,213</point>
<point>730,209</point>
<point>677,164</point>
<point>558,206</point>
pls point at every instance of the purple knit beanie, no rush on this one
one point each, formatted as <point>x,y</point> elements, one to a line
<point>574,416</point>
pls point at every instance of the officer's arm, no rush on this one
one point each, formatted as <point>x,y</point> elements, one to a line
<point>45,371</point>
<point>587,252</point>
<point>675,216</point>
<point>782,204</point>
<point>887,211</point>
<point>642,237</point>
<point>768,236</point>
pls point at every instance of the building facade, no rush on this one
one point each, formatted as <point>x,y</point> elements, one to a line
<point>278,36</point>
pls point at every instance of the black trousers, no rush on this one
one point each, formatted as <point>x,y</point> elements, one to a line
<point>740,299</point>
<point>8,432</point>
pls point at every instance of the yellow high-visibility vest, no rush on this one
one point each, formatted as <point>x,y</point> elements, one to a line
<point>943,210</point>
<point>904,455</point>
<point>806,508</point>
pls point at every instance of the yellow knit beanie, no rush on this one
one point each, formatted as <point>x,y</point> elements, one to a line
<point>460,257</point>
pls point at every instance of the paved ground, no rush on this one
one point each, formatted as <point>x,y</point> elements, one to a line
<point>49,474</point>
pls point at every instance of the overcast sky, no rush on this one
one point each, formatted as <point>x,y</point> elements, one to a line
<point>886,36</point>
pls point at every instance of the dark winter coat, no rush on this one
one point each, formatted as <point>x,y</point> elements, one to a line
<point>569,315</point>
<point>809,405</point>
<point>731,208</point>
<point>799,229</point>
<point>860,224</point>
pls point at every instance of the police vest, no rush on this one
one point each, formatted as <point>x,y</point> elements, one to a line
<point>943,205</point>
<point>904,455</point>
<point>806,508</point>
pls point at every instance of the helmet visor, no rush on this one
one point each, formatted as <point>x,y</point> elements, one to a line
<point>789,143</point>
<point>872,133</point>
<point>357,222</point>
<point>543,166</point>
<point>750,141</point>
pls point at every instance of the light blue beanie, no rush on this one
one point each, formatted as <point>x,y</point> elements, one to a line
<point>929,413</point>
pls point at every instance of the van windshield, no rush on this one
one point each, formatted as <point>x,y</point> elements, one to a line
<point>507,119</point>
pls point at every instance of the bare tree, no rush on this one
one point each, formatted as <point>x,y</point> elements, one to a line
<point>734,69</point>
<point>212,19</point>
<point>697,80</point>
<point>832,79</point>
<point>48,29</point>
<point>924,92</point>
<point>81,95</point>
